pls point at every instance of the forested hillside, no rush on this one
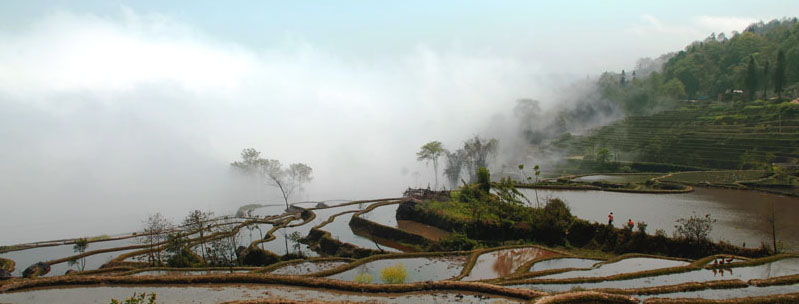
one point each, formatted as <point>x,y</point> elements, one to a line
<point>762,62</point>
<point>720,103</point>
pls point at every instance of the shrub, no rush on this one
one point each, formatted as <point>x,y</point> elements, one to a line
<point>255,256</point>
<point>694,228</point>
<point>555,220</point>
<point>137,299</point>
<point>642,227</point>
<point>457,241</point>
<point>363,277</point>
<point>184,258</point>
<point>484,179</point>
<point>393,274</point>
<point>581,232</point>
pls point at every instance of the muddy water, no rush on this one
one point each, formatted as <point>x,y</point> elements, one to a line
<point>742,215</point>
<point>430,232</point>
<point>306,268</point>
<point>503,262</point>
<point>340,229</point>
<point>225,293</point>
<point>775,269</point>
<point>417,269</point>
<point>387,216</point>
<point>625,265</point>
<point>563,263</point>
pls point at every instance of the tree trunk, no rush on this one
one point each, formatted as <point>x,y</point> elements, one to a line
<point>773,228</point>
<point>435,168</point>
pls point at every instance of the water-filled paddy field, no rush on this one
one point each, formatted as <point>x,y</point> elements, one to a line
<point>418,269</point>
<point>742,215</point>
<point>492,265</point>
<point>224,293</point>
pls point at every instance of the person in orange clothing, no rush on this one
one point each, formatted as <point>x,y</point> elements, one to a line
<point>630,223</point>
<point>610,219</point>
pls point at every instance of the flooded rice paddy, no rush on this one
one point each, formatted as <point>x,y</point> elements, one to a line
<point>622,266</point>
<point>417,269</point>
<point>503,262</point>
<point>742,215</point>
<point>225,293</point>
<point>306,268</point>
<point>386,216</point>
<point>562,263</point>
<point>656,209</point>
<point>779,268</point>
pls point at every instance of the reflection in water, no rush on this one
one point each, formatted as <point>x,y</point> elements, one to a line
<point>742,215</point>
<point>503,262</point>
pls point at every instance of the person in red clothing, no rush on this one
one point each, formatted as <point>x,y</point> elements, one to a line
<point>630,223</point>
<point>610,219</point>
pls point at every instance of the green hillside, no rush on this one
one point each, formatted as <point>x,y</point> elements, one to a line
<point>720,103</point>
<point>759,63</point>
<point>700,134</point>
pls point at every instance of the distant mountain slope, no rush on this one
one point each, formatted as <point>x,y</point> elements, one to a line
<point>714,69</point>
<point>700,134</point>
<point>712,105</point>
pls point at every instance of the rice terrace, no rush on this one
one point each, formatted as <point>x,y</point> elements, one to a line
<point>267,152</point>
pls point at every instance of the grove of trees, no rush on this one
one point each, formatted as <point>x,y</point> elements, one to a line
<point>286,179</point>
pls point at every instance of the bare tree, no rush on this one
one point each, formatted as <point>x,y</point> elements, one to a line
<point>156,228</point>
<point>198,221</point>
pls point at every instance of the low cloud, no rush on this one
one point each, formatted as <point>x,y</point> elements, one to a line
<point>136,114</point>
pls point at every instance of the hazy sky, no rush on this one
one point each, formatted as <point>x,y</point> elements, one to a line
<point>110,110</point>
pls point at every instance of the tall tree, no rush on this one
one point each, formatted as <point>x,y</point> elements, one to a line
<point>454,167</point>
<point>300,174</point>
<point>751,79</point>
<point>779,74</point>
<point>430,152</point>
<point>477,152</point>
<point>622,80</point>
